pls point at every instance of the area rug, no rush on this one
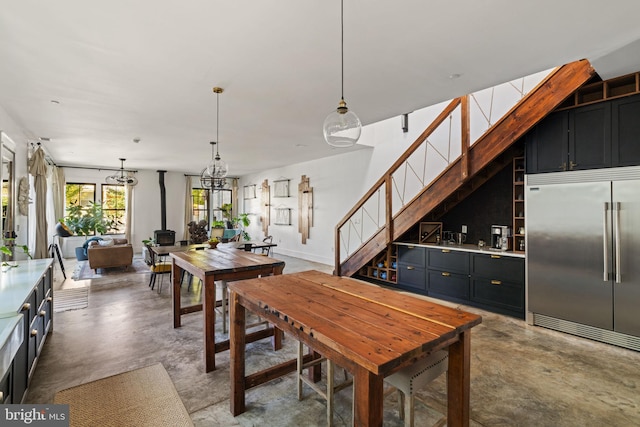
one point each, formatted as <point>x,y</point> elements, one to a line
<point>70,299</point>
<point>142,397</point>
<point>83,272</point>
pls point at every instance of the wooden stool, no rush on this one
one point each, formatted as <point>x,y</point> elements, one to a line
<point>414,377</point>
<point>331,387</point>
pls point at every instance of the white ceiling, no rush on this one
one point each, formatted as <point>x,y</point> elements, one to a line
<point>126,69</point>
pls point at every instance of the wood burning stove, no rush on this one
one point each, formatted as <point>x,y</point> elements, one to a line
<point>164,237</point>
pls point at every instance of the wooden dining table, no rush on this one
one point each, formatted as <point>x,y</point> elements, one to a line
<point>225,263</point>
<point>369,330</point>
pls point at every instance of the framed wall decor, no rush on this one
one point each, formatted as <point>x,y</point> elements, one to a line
<point>281,188</point>
<point>249,191</point>
<point>283,216</point>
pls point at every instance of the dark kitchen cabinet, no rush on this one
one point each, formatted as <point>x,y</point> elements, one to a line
<point>576,139</point>
<point>547,144</point>
<point>497,283</point>
<point>492,281</point>
<point>448,274</point>
<point>5,386</point>
<point>447,285</point>
<point>31,281</point>
<point>411,267</point>
<point>625,124</point>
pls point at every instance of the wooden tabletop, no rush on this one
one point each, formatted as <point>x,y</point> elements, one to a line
<point>165,250</point>
<point>224,263</point>
<point>371,331</point>
<point>225,258</point>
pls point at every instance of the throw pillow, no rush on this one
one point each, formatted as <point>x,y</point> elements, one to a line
<point>105,242</point>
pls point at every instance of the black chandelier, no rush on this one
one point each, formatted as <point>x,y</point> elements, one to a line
<point>119,178</point>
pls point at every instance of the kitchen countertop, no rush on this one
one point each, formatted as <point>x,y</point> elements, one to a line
<point>17,283</point>
<point>464,248</point>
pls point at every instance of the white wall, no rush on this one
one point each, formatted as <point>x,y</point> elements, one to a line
<point>338,183</point>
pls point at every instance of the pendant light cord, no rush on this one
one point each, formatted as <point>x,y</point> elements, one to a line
<point>217,123</point>
<point>342,46</point>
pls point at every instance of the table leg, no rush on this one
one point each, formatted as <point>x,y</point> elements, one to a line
<point>237,348</point>
<point>223,284</point>
<point>209,317</point>
<point>458,381</point>
<point>278,335</point>
<point>176,272</point>
<point>368,398</point>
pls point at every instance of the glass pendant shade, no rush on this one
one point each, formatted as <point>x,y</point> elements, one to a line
<point>217,168</point>
<point>342,127</point>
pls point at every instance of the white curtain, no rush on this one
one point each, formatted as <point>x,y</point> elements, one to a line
<point>187,208</point>
<point>128,191</point>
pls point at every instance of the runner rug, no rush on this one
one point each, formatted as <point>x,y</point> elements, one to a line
<point>70,299</point>
<point>142,397</point>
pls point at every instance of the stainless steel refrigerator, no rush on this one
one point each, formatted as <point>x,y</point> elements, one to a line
<point>583,253</point>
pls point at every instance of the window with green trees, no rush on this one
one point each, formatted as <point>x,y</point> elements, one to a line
<point>114,207</point>
<point>79,194</point>
<point>200,205</point>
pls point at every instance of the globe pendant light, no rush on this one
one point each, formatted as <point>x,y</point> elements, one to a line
<point>342,127</point>
<point>217,169</point>
<point>206,181</point>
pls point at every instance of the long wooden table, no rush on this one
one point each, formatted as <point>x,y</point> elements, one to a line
<point>225,263</point>
<point>371,331</point>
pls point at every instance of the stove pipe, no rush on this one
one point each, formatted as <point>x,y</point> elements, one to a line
<point>163,201</point>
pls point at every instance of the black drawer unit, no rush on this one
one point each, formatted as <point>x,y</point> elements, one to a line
<point>498,267</point>
<point>499,296</point>
<point>448,285</point>
<point>411,255</point>
<point>410,276</point>
<point>448,260</point>
<point>497,283</point>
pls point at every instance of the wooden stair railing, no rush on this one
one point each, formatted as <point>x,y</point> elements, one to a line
<point>532,108</point>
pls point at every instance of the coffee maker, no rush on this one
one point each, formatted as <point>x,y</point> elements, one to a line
<point>500,237</point>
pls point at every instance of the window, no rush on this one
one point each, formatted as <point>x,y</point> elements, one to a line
<point>200,205</point>
<point>78,194</point>
<point>219,197</point>
<point>114,207</point>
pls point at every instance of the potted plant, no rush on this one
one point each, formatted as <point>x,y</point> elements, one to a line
<point>242,221</point>
<point>227,212</point>
<point>86,221</point>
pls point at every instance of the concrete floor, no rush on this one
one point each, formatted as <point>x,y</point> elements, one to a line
<point>520,375</point>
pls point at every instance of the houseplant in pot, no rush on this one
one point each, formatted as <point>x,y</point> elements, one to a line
<point>87,220</point>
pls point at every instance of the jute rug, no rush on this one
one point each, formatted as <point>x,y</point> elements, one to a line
<point>70,299</point>
<point>83,272</point>
<point>143,397</point>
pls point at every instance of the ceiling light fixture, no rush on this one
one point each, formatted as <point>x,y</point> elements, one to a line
<point>342,127</point>
<point>217,169</point>
<point>206,181</point>
<point>119,178</point>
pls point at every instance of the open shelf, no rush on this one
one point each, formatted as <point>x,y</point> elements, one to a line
<point>383,266</point>
<point>518,205</point>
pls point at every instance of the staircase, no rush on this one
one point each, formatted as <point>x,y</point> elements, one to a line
<point>474,166</point>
